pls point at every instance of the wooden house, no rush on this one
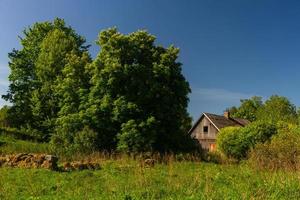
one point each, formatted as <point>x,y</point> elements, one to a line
<point>206,128</point>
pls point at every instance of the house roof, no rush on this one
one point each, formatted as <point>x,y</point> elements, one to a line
<point>220,121</point>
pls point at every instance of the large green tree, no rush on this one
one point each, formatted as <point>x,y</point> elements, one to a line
<point>34,69</point>
<point>132,97</point>
<point>139,96</point>
<point>59,72</point>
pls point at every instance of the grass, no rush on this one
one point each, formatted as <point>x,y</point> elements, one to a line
<point>9,145</point>
<point>124,178</point>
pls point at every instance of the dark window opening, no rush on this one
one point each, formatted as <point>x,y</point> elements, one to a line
<point>205,129</point>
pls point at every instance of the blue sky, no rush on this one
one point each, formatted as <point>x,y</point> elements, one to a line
<point>230,50</point>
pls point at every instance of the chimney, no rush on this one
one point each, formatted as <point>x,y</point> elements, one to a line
<point>227,114</point>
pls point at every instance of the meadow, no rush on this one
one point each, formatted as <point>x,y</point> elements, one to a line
<point>124,177</point>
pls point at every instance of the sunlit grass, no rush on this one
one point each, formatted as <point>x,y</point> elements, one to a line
<point>128,180</point>
<point>9,145</point>
<point>122,177</point>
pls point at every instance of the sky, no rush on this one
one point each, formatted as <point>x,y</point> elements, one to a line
<point>229,50</point>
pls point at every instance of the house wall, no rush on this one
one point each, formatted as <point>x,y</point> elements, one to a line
<point>207,140</point>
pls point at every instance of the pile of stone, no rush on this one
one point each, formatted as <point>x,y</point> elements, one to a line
<point>24,160</point>
<point>71,166</point>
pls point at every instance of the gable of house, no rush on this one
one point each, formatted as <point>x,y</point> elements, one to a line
<point>206,128</point>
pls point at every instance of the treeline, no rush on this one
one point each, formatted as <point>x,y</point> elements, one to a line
<point>132,97</point>
<point>270,141</point>
<point>276,108</point>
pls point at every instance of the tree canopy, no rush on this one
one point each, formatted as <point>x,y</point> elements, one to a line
<point>248,108</point>
<point>275,109</point>
<point>131,97</point>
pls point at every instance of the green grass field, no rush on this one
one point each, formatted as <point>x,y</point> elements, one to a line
<point>124,178</point>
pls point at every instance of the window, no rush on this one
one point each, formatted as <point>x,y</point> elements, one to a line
<point>205,129</point>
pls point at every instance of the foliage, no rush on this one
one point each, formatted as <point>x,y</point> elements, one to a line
<point>23,65</point>
<point>278,108</point>
<point>275,109</point>
<point>232,142</point>
<point>137,91</point>
<point>248,108</point>
<point>22,133</point>
<point>60,70</point>
<point>5,120</point>
<point>282,152</point>
<point>132,95</point>
<point>259,132</point>
<point>236,142</point>
<point>137,137</point>
<point>85,141</point>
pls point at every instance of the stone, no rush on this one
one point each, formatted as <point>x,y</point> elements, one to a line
<point>149,162</point>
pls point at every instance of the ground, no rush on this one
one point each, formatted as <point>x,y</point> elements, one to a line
<point>125,178</point>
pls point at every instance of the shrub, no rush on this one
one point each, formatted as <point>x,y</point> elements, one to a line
<point>235,142</point>
<point>83,142</point>
<point>231,142</point>
<point>4,116</point>
<point>282,152</point>
<point>259,132</point>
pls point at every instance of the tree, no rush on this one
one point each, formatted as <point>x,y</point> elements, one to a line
<point>59,72</point>
<point>23,65</point>
<point>248,108</point>
<point>72,90</point>
<point>278,108</point>
<point>138,92</point>
<point>132,97</point>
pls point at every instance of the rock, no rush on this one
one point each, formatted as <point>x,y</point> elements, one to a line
<point>67,166</point>
<point>80,166</point>
<point>149,162</point>
<point>30,161</point>
<point>51,158</point>
<point>19,157</point>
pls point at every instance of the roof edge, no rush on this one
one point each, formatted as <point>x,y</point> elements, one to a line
<point>211,121</point>
<point>197,122</point>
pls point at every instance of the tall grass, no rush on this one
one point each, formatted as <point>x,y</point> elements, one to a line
<point>10,145</point>
<point>125,178</point>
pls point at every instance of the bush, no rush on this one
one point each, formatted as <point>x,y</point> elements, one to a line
<point>259,132</point>
<point>83,142</point>
<point>282,152</point>
<point>235,142</point>
<point>4,117</point>
<point>232,142</point>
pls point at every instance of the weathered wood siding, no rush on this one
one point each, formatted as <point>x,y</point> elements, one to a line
<point>206,139</point>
